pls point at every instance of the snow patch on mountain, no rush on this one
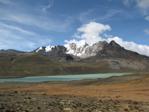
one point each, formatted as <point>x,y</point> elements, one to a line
<point>37,50</point>
<point>85,50</point>
<point>48,48</point>
<point>45,49</point>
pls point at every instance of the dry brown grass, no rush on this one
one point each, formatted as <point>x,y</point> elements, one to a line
<point>137,90</point>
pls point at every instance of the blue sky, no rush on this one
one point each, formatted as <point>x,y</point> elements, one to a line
<point>28,24</point>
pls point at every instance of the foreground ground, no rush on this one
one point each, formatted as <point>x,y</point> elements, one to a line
<point>117,94</point>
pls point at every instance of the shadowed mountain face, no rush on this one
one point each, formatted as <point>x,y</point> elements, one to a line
<point>101,49</point>
<point>56,52</point>
<point>11,51</point>
<point>56,60</point>
<point>114,50</point>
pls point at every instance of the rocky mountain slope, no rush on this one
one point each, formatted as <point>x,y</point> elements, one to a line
<point>72,59</point>
<point>82,51</point>
<point>100,49</point>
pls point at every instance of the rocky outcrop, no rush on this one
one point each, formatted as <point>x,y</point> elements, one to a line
<point>114,50</point>
<point>56,52</point>
<point>99,49</point>
<point>86,50</point>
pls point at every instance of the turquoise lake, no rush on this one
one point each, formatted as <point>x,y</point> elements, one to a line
<point>62,77</point>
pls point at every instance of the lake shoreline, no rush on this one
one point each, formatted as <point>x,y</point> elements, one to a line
<point>119,94</point>
<point>60,78</point>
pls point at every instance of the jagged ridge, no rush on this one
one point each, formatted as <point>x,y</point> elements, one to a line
<point>99,57</point>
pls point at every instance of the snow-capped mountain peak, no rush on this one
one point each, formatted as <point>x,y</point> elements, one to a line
<point>83,51</point>
<point>49,48</point>
<point>44,49</point>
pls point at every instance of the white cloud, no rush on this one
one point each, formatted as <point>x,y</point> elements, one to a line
<point>85,16</point>
<point>142,49</point>
<point>147,18</point>
<point>146,31</point>
<point>20,23</point>
<point>88,16</point>
<point>6,2</point>
<point>93,32</point>
<point>48,6</point>
<point>25,14</point>
<point>143,4</point>
<point>126,2</point>
<point>14,37</point>
<point>18,29</point>
<point>37,21</point>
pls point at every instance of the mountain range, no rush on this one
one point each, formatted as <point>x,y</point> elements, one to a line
<point>72,59</point>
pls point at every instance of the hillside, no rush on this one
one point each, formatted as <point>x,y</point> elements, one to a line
<point>105,57</point>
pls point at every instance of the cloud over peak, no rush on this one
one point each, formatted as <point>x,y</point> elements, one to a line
<point>91,33</point>
<point>94,32</point>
